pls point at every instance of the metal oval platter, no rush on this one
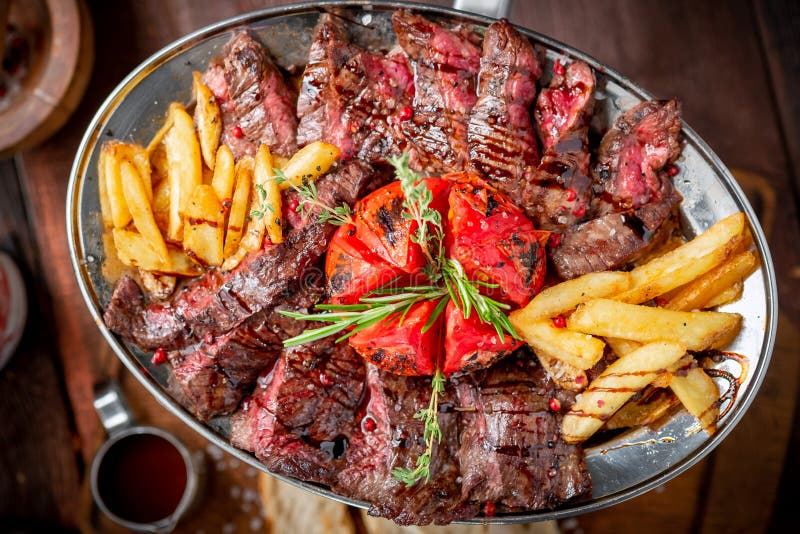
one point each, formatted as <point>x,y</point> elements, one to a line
<point>621,468</point>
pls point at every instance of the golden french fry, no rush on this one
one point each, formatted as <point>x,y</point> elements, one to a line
<point>140,209</point>
<point>102,187</point>
<point>622,347</point>
<point>654,403</point>
<point>698,394</point>
<point>696,330</point>
<point>239,206</point>
<point>120,214</point>
<point>579,350</point>
<point>185,167</point>
<point>224,175</point>
<point>157,286</point>
<point>279,161</point>
<point>232,261</point>
<point>727,295</point>
<point>158,165</point>
<point>112,269</point>
<point>161,205</point>
<point>563,297</point>
<point>204,228</point>
<point>309,163</point>
<point>685,263</point>
<point>158,138</point>
<point>138,156</point>
<point>269,195</point>
<point>208,119</point>
<point>134,251</point>
<point>609,391</point>
<point>696,294</point>
<point>563,374</point>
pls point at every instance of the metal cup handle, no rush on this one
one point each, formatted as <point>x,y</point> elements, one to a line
<point>112,408</point>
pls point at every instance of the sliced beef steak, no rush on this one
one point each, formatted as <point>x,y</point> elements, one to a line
<point>302,414</point>
<point>511,449</point>
<point>558,195</point>
<point>350,97</point>
<point>390,437</point>
<point>502,144</point>
<point>257,105</point>
<point>217,302</point>
<point>212,376</point>
<point>445,65</point>
<point>636,200</point>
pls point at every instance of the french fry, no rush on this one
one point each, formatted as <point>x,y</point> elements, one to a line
<point>622,347</point>
<point>203,232</point>
<point>102,187</point>
<point>696,294</point>
<point>239,206</point>
<point>696,330</point>
<point>563,297</point>
<point>208,119</point>
<point>141,212</point>
<point>609,391</point>
<point>698,394</point>
<point>578,350</point>
<point>234,259</point>
<point>134,251</point>
<point>224,175</point>
<point>563,374</point>
<point>120,215</point>
<point>309,163</point>
<point>185,167</point>
<point>137,155</point>
<point>158,138</point>
<point>161,205</point>
<point>727,295</point>
<point>685,263</point>
<point>158,165</point>
<point>279,161</point>
<point>649,408</point>
<point>157,286</point>
<point>269,195</point>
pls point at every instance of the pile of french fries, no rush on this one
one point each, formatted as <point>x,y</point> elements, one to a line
<point>183,204</point>
<point>651,342</point>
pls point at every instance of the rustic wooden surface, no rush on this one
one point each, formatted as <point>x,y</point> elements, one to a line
<point>736,68</point>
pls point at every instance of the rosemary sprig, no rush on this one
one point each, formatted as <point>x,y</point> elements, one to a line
<point>309,199</point>
<point>431,435</point>
<point>265,206</point>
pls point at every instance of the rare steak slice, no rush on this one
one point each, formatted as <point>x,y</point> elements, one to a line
<point>511,451</point>
<point>212,376</point>
<point>350,97</point>
<point>445,64</point>
<point>217,302</point>
<point>390,437</point>
<point>502,144</point>
<point>559,193</point>
<point>256,103</point>
<point>302,413</point>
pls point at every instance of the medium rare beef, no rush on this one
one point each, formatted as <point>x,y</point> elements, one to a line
<point>217,302</point>
<point>302,413</point>
<point>390,437</point>
<point>636,199</point>
<point>212,376</point>
<point>445,65</point>
<point>511,449</point>
<point>502,144</point>
<point>256,103</point>
<point>350,97</point>
<point>558,195</point>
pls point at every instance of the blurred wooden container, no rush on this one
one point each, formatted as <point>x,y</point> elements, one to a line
<point>61,51</point>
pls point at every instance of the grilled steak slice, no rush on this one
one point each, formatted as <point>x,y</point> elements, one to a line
<point>350,97</point>
<point>390,437</point>
<point>445,64</point>
<point>635,207</point>
<point>217,302</point>
<point>256,103</point>
<point>502,144</point>
<point>213,375</point>
<point>559,193</point>
<point>511,450</point>
<point>302,413</point>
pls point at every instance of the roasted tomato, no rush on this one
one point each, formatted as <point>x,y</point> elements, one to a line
<point>352,270</point>
<point>380,224</point>
<point>470,344</point>
<point>403,349</point>
<point>494,241</point>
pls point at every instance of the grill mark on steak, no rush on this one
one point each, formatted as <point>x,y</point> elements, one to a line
<point>217,302</point>
<point>302,414</point>
<point>351,97</point>
<point>558,195</point>
<point>396,440</point>
<point>445,64</point>
<point>502,144</point>
<point>511,449</point>
<point>253,97</point>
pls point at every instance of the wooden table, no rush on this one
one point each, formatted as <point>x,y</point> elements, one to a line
<point>734,65</point>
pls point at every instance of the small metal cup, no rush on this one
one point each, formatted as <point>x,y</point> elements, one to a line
<point>118,421</point>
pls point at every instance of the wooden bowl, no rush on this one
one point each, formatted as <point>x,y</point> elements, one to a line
<point>61,44</point>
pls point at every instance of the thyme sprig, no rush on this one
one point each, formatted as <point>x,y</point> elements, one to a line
<point>309,199</point>
<point>265,206</point>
